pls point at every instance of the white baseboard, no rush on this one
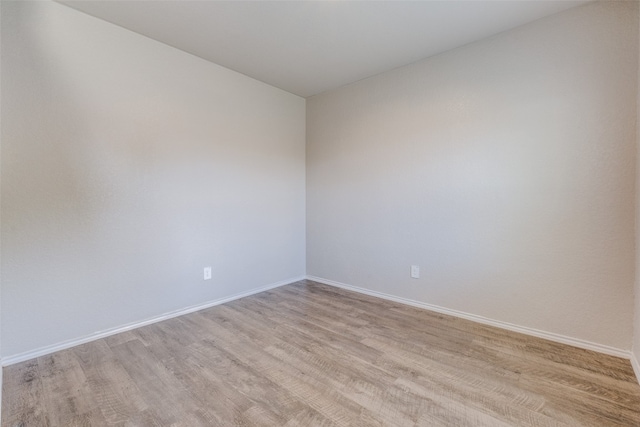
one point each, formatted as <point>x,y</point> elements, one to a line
<point>635,365</point>
<point>10,360</point>
<point>576,342</point>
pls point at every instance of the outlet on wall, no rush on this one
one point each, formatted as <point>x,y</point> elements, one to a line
<point>207,273</point>
<point>415,271</point>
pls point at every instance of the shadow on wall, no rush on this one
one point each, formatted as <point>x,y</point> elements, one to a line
<point>127,167</point>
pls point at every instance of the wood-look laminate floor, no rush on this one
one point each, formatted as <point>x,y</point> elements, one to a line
<point>312,355</point>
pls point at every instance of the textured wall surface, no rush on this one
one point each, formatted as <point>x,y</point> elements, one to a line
<point>127,167</point>
<point>636,323</point>
<point>504,169</point>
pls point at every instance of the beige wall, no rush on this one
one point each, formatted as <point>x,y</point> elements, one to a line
<point>504,169</point>
<point>636,324</point>
<point>127,167</point>
<point>0,227</point>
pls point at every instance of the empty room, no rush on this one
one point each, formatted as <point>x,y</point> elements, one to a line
<point>319,213</point>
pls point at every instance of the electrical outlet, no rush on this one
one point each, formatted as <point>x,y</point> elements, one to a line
<point>415,271</point>
<point>207,273</point>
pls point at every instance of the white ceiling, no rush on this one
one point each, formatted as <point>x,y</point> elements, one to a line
<point>308,47</point>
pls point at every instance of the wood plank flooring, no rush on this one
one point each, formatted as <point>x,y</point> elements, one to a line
<point>311,355</point>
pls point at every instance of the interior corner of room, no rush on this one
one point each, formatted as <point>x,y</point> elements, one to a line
<point>505,170</point>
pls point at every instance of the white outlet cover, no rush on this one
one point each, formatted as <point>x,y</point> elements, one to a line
<point>415,271</point>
